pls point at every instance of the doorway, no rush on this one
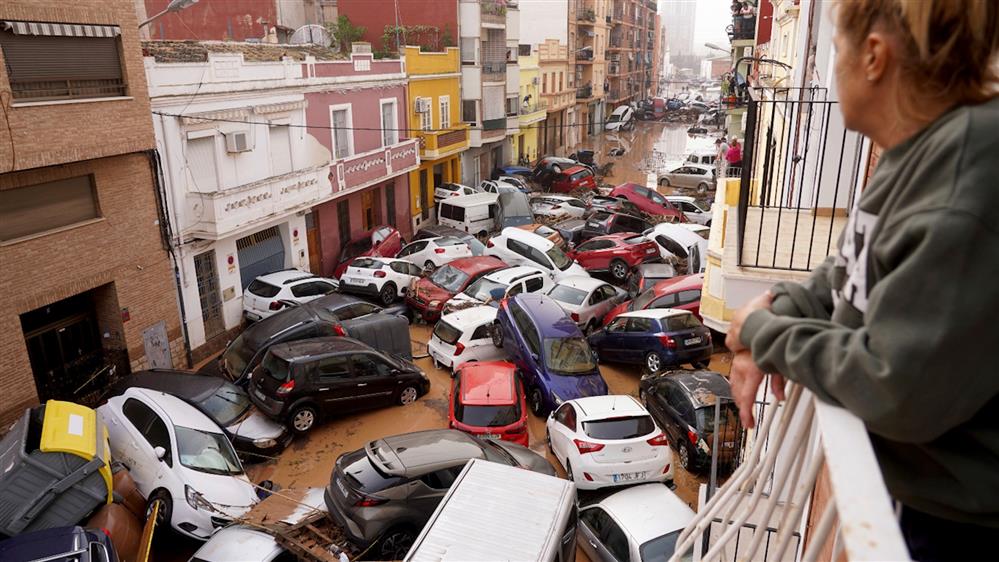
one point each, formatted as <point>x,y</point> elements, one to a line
<point>259,253</point>
<point>424,195</point>
<point>312,236</point>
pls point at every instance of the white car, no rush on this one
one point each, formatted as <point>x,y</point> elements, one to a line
<point>431,253</point>
<point>608,441</point>
<point>620,119</point>
<point>502,283</point>
<point>699,229</point>
<point>385,278</point>
<point>553,206</point>
<point>519,247</point>
<point>498,186</point>
<point>683,242</point>
<point>269,294</point>
<point>179,459</point>
<point>240,543</point>
<point>514,180</point>
<point>446,190</point>
<point>586,299</point>
<point>464,336</point>
<point>690,209</point>
<point>642,522</point>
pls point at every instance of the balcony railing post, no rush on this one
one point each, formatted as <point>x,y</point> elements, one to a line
<point>745,182</point>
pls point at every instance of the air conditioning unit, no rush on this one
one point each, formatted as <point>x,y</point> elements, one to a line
<point>422,105</point>
<point>237,142</point>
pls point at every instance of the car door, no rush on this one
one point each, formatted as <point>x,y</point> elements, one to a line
<point>146,432</point>
<point>414,252</point>
<point>563,431</point>
<point>405,274</point>
<point>427,491</point>
<point>333,385</point>
<point>480,344</point>
<point>634,344</point>
<point>374,383</point>
<point>600,302</point>
<point>589,254</point>
<point>602,538</point>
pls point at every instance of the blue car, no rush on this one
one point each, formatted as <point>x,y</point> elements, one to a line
<point>514,171</point>
<point>551,354</point>
<point>656,338</point>
<point>60,543</point>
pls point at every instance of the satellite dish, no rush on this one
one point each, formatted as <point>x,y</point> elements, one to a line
<point>311,34</point>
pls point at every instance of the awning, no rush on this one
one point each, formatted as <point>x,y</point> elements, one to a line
<point>61,29</point>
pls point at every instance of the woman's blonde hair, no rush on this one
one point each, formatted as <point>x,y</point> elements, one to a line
<point>950,48</point>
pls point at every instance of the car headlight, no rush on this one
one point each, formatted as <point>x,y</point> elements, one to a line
<point>264,443</point>
<point>195,499</point>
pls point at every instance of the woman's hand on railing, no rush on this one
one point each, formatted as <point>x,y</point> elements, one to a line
<point>745,378</point>
<point>733,340</point>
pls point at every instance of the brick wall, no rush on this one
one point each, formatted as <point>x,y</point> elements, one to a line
<point>54,133</point>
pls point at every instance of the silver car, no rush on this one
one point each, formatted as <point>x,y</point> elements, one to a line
<point>695,176</point>
<point>383,494</point>
<point>691,209</point>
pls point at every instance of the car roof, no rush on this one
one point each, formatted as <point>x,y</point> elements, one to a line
<point>678,233</point>
<point>617,236</point>
<point>557,196</point>
<point>178,412</point>
<point>681,283</point>
<point>628,185</point>
<point>508,274</point>
<point>573,169</point>
<point>696,165</point>
<point>581,282</point>
<point>614,405</point>
<point>301,349</point>
<point>187,384</point>
<point>471,316</point>
<point>474,265</point>
<point>285,276</point>
<point>549,317</point>
<point>488,384</point>
<point>694,227</point>
<point>526,237</point>
<point>238,543</point>
<point>437,230</point>
<point>471,200</point>
<point>385,260</point>
<point>684,198</point>
<point>648,511</point>
<point>702,386</point>
<point>655,313</point>
<point>652,269</point>
<point>419,452</point>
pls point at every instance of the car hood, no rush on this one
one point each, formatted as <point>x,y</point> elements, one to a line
<point>614,312</point>
<point>527,458</point>
<point>574,269</point>
<point>571,387</point>
<point>427,291</point>
<point>255,425</point>
<point>231,494</point>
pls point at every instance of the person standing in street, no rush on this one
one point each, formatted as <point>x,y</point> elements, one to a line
<point>898,326</point>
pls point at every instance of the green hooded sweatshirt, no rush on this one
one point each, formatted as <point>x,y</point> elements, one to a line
<point>901,326</point>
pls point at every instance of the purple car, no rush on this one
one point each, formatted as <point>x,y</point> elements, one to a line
<point>554,359</point>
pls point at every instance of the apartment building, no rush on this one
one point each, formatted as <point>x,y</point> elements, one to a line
<point>88,281</point>
<point>532,106</point>
<point>592,25</point>
<point>233,20</point>
<point>631,51</point>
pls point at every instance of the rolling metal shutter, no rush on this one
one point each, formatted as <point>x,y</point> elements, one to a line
<point>259,253</point>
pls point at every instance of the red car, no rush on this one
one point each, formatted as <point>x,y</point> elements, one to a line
<point>682,292</point>
<point>430,293</point>
<point>487,400</point>
<point>616,253</point>
<point>383,241</point>
<point>573,178</point>
<point>648,200</point>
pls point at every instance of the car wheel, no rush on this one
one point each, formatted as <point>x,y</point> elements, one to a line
<point>653,361</point>
<point>389,293</point>
<point>702,364</point>
<point>408,395</point>
<point>619,270</point>
<point>664,182</point>
<point>537,403</point>
<point>395,544</point>
<point>684,452</point>
<point>702,187</point>
<point>429,266</point>
<point>303,418</point>
<point>165,502</point>
<point>497,334</point>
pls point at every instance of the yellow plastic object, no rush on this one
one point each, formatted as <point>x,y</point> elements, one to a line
<point>74,429</point>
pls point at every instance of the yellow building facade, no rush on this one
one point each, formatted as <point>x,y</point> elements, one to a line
<point>435,119</point>
<point>532,109</point>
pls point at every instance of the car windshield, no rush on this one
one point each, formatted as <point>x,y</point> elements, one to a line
<point>728,417</point>
<point>559,258</point>
<point>275,367</point>
<point>261,289</point>
<point>483,288</point>
<point>238,355</point>
<point>486,416</point>
<point>478,248</point>
<point>628,427</point>
<point>446,332</point>
<point>567,294</point>
<point>682,322</point>
<point>227,404</point>
<point>662,548</point>
<point>356,248</point>
<point>615,117</point>
<point>570,356</point>
<point>449,278</point>
<point>643,300</point>
<point>207,452</point>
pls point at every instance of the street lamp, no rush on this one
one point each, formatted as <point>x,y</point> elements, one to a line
<point>716,47</point>
<point>173,6</point>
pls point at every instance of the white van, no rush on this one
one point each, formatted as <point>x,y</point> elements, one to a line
<point>498,512</point>
<point>475,214</point>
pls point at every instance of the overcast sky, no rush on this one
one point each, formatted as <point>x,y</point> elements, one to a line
<point>713,16</point>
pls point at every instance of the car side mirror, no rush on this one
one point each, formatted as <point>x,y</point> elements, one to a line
<point>160,452</point>
<point>534,356</point>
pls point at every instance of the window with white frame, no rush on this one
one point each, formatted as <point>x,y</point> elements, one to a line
<point>423,109</point>
<point>444,103</point>
<point>201,163</point>
<point>343,140</point>
<point>280,143</point>
<point>390,134</point>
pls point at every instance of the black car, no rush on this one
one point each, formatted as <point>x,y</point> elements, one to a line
<point>440,230</point>
<point>683,404</point>
<point>603,222</point>
<point>254,435</point>
<point>60,543</point>
<point>302,381</point>
<point>332,315</point>
<point>571,231</point>
<point>549,167</point>
<point>646,275</point>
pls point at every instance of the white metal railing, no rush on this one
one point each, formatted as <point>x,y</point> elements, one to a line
<point>772,488</point>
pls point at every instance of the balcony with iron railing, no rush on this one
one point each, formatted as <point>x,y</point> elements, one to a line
<point>809,489</point>
<point>493,12</point>
<point>742,28</point>
<point>586,17</point>
<point>494,71</point>
<point>584,92</point>
<point>440,143</point>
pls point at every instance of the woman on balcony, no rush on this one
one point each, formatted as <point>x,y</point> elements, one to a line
<point>899,326</point>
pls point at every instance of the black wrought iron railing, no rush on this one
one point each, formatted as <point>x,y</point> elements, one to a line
<point>584,92</point>
<point>799,172</point>
<point>742,28</point>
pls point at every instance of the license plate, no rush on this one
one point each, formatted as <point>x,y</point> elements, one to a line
<point>593,224</point>
<point>343,489</point>
<point>691,341</point>
<point>258,394</point>
<point>354,281</point>
<point>489,436</point>
<point>628,476</point>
